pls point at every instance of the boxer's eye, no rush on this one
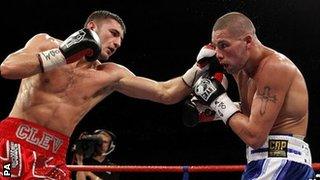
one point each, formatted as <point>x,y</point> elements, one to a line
<point>221,46</point>
<point>115,33</point>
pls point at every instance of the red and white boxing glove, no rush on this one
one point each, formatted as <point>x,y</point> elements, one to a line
<point>211,92</point>
<point>205,113</point>
<point>201,66</point>
<point>196,112</point>
<point>83,43</point>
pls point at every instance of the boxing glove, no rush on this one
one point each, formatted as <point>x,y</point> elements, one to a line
<point>212,93</point>
<point>195,111</point>
<point>83,43</point>
<point>202,64</point>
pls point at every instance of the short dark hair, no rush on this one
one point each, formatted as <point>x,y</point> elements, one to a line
<point>104,14</point>
<point>235,22</point>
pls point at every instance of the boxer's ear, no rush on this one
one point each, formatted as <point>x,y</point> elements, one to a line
<point>91,25</point>
<point>248,39</point>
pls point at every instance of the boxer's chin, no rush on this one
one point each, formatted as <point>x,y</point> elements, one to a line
<point>103,57</point>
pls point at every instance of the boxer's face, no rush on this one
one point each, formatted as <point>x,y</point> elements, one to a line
<point>231,51</point>
<point>111,35</point>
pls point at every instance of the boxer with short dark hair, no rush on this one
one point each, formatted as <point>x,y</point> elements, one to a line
<point>53,94</point>
<point>273,117</point>
<point>61,81</point>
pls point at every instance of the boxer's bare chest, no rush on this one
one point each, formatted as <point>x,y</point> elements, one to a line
<point>76,86</point>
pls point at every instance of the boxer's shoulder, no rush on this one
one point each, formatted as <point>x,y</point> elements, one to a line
<point>276,64</point>
<point>114,68</point>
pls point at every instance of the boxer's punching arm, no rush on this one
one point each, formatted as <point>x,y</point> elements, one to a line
<point>266,104</point>
<point>167,92</point>
<point>173,90</point>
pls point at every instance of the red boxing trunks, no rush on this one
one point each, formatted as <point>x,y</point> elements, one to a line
<point>30,151</point>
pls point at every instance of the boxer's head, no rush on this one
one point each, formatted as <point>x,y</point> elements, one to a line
<point>110,29</point>
<point>233,36</point>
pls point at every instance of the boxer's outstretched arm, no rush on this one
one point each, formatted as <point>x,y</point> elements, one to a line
<point>171,91</point>
<point>167,92</point>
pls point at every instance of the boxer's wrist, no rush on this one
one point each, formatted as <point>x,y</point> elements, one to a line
<point>189,76</point>
<point>224,107</point>
<point>201,65</point>
<point>51,59</point>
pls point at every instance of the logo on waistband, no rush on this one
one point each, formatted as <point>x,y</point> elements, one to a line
<point>278,148</point>
<point>14,154</point>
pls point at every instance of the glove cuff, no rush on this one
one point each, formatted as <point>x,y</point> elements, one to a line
<point>206,51</point>
<point>189,76</point>
<point>224,107</point>
<point>51,59</point>
<point>192,75</point>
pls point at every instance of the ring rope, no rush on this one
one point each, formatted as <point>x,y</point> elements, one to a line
<point>160,169</point>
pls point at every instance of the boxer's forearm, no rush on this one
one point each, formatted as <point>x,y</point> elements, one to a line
<point>20,65</point>
<point>176,90</point>
<point>167,92</point>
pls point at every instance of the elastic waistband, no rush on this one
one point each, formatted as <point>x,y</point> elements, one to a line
<point>282,146</point>
<point>35,137</point>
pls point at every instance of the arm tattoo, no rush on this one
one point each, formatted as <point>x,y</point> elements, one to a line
<point>265,97</point>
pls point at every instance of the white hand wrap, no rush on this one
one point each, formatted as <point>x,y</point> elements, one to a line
<point>192,75</point>
<point>224,107</point>
<point>51,59</point>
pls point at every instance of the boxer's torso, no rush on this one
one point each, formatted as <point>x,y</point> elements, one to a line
<point>58,99</point>
<point>293,115</point>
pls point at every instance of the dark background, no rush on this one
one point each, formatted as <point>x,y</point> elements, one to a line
<point>162,41</point>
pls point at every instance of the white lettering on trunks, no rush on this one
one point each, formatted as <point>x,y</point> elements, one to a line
<point>43,140</point>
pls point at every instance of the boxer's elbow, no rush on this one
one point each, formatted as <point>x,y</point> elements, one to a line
<point>172,94</point>
<point>7,70</point>
<point>252,134</point>
<point>166,98</point>
<point>255,141</point>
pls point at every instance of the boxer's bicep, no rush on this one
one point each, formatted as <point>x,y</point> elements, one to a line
<point>265,108</point>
